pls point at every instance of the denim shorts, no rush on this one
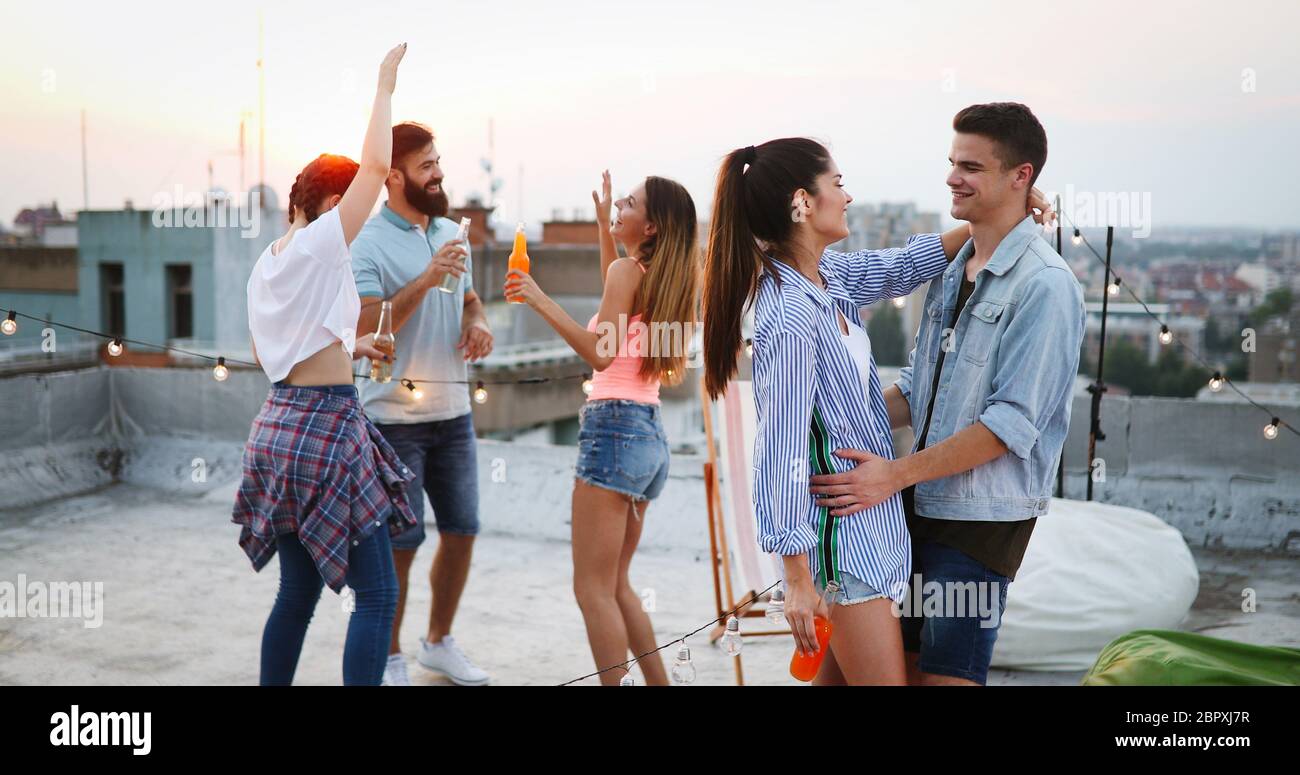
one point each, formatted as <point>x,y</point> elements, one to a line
<point>443,456</point>
<point>854,590</point>
<point>622,447</point>
<point>957,642</point>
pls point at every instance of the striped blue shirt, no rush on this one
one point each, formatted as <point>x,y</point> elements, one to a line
<point>808,397</point>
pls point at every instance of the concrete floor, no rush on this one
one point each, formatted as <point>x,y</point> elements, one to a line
<point>182,605</point>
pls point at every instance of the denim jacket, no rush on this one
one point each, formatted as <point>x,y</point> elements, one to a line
<point>1011,361</point>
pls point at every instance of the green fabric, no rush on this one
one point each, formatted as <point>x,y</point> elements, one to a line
<point>819,450</point>
<point>1173,658</point>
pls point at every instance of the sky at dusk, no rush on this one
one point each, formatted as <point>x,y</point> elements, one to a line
<point>1195,104</point>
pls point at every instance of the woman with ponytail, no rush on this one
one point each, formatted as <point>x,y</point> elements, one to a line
<point>636,341</point>
<point>776,209</point>
<point>321,487</point>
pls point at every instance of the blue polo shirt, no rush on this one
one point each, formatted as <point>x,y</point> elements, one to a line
<point>388,254</point>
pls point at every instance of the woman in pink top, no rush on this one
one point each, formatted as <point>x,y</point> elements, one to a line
<point>638,339</point>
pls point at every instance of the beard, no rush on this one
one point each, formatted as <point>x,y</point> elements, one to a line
<point>432,204</point>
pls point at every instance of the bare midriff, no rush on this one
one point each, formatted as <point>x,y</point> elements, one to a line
<point>330,365</point>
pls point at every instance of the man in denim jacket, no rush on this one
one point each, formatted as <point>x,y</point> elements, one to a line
<point>988,393</point>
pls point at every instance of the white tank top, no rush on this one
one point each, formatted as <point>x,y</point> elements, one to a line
<point>858,344</point>
<point>304,298</point>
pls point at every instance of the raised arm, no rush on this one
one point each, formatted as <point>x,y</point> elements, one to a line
<point>608,250</point>
<point>615,306</point>
<point>872,275</point>
<point>376,153</point>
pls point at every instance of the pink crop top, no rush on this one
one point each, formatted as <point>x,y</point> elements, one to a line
<point>622,378</point>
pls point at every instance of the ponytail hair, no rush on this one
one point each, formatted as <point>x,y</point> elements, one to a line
<point>323,177</point>
<point>751,216</point>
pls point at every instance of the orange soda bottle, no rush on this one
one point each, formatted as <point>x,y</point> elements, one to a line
<point>519,258</point>
<point>804,667</point>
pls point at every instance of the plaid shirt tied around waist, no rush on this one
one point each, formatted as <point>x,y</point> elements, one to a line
<point>317,466</point>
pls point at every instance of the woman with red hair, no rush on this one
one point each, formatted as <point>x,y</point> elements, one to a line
<point>321,486</point>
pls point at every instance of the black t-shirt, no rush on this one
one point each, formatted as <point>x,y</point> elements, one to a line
<point>1000,546</point>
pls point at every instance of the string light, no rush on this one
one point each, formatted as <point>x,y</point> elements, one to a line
<point>480,394</point>
<point>749,347</point>
<point>776,607</point>
<point>900,301</point>
<point>1077,239</point>
<point>1216,382</point>
<point>416,393</point>
<point>683,672</point>
<point>1113,288</point>
<point>731,641</point>
<point>117,344</point>
<point>220,372</point>
<point>1168,338</point>
<point>587,384</point>
<point>1270,430</point>
<point>753,598</point>
<point>10,325</point>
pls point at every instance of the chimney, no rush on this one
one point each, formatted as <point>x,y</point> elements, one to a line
<point>479,217</point>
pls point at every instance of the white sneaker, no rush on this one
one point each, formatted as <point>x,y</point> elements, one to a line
<point>395,672</point>
<point>445,657</point>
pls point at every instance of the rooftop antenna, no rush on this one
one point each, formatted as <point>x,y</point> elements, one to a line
<point>261,108</point>
<point>243,116</point>
<point>85,184</point>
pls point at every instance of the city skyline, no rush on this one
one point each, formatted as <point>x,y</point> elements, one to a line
<point>668,92</point>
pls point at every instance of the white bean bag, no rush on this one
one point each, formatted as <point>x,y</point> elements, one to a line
<point>1093,572</point>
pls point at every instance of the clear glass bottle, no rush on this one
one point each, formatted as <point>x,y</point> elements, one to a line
<point>450,282</point>
<point>382,371</point>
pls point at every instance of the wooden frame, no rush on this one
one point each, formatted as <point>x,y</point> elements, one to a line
<point>724,597</point>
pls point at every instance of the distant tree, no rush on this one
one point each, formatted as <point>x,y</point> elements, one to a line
<point>1278,302</point>
<point>1239,368</point>
<point>886,331</point>
<point>1171,375</point>
<point>1126,365</point>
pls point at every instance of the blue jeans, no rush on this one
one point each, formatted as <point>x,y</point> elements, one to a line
<point>372,579</point>
<point>444,456</point>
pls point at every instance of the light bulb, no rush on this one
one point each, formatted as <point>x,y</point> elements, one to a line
<point>1216,382</point>
<point>749,347</point>
<point>10,324</point>
<point>683,672</point>
<point>1166,336</point>
<point>220,372</point>
<point>776,607</point>
<point>627,680</point>
<point>1113,288</point>
<point>115,347</point>
<point>1077,239</point>
<point>731,641</point>
<point>588,385</point>
<point>416,393</point>
<point>1270,430</point>
<point>900,302</point>
<point>480,394</point>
